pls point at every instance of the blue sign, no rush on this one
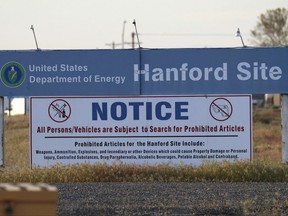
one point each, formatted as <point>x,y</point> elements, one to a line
<point>144,72</point>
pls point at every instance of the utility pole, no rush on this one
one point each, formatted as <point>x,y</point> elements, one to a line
<point>113,44</point>
<point>132,43</point>
<point>123,32</point>
<point>133,40</point>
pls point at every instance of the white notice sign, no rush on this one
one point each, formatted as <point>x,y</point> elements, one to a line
<point>140,129</point>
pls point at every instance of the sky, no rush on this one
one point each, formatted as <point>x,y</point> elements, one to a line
<point>96,24</point>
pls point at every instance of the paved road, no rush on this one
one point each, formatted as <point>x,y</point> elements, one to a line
<point>172,199</point>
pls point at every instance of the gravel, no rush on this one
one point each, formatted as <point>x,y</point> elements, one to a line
<point>85,199</point>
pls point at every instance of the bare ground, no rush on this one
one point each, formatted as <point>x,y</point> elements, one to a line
<point>172,199</point>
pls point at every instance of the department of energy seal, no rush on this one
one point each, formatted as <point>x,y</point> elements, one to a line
<point>13,74</point>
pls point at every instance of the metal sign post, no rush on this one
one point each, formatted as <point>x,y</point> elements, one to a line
<point>284,124</point>
<point>1,131</point>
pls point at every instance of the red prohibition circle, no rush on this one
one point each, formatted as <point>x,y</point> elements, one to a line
<point>59,114</point>
<point>221,112</point>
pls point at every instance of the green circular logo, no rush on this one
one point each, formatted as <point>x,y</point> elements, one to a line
<point>13,74</point>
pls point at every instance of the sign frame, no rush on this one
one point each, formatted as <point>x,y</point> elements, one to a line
<point>133,135</point>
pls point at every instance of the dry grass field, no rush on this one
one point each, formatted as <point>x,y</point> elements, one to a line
<point>265,170</point>
<point>266,137</point>
<point>266,165</point>
<point>267,140</point>
<point>16,141</point>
